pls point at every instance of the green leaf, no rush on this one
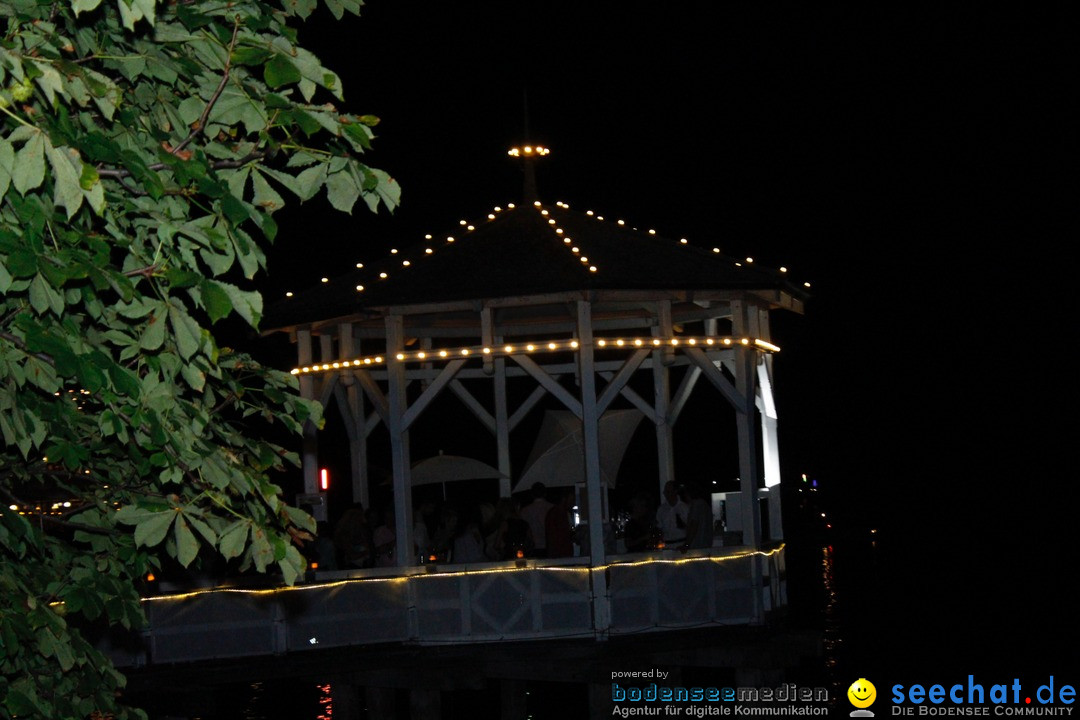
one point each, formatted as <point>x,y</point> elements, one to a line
<point>151,531</point>
<point>29,169</point>
<point>279,71</point>
<point>7,165</point>
<point>43,296</point>
<point>265,196</point>
<point>215,300</point>
<point>187,332</point>
<point>187,545</point>
<point>154,333</point>
<point>81,6</point>
<point>234,539</point>
<point>67,175</point>
<point>342,192</point>
<point>5,278</point>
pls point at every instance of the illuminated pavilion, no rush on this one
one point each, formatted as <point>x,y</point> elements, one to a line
<point>573,304</point>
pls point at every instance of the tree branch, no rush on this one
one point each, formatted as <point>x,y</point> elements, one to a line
<point>201,122</point>
<point>17,342</point>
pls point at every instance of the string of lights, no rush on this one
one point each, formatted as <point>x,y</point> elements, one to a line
<point>421,572</point>
<point>538,346</point>
<point>574,246</point>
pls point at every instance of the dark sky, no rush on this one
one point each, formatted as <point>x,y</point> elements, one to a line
<point>882,154</point>
<point>896,157</point>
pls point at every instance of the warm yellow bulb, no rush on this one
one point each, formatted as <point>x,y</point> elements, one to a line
<point>400,356</point>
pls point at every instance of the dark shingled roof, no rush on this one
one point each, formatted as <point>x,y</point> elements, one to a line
<point>520,253</point>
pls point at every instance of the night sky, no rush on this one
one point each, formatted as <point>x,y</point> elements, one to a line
<point>895,158</point>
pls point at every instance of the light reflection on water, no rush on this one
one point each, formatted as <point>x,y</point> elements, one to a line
<point>832,636</point>
<point>326,703</point>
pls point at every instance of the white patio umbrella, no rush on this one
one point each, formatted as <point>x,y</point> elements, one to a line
<point>449,468</point>
<point>558,456</point>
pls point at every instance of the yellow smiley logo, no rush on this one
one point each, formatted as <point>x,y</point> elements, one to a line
<point>862,693</point>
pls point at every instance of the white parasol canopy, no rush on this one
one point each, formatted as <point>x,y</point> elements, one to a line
<point>448,468</point>
<point>558,457</point>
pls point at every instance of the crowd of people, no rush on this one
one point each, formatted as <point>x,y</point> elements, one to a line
<point>542,527</point>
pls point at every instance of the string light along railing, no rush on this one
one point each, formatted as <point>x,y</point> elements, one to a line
<point>571,244</point>
<point>426,571</point>
<point>710,342</point>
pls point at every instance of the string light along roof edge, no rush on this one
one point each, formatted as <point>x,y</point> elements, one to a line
<point>519,251</point>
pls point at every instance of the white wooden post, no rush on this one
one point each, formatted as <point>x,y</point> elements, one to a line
<point>399,440</point>
<point>502,423</point>
<point>665,453</point>
<point>591,436</point>
<point>358,466</point>
<point>310,440</point>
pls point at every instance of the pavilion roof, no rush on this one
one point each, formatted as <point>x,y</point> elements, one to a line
<point>525,250</point>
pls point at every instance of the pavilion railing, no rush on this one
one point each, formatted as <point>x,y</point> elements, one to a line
<point>457,604</point>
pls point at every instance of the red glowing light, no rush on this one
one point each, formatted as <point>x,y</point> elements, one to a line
<point>324,479</point>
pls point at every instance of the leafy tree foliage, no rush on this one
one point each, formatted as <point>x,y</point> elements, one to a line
<point>144,148</point>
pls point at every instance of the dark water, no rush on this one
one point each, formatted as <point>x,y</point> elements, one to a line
<point>893,609</point>
<point>828,588</point>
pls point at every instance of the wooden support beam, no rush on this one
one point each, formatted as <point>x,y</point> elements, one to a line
<point>399,443</point>
<point>502,427</point>
<point>621,378</point>
<point>310,440</point>
<point>470,401</point>
<point>549,383</point>
<point>639,402</point>
<point>527,405</point>
<point>678,402</point>
<point>715,376</point>
<point>665,453</point>
<point>353,414</point>
<point>590,424</point>
<point>431,392</point>
<point>374,393</point>
<point>326,388</point>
